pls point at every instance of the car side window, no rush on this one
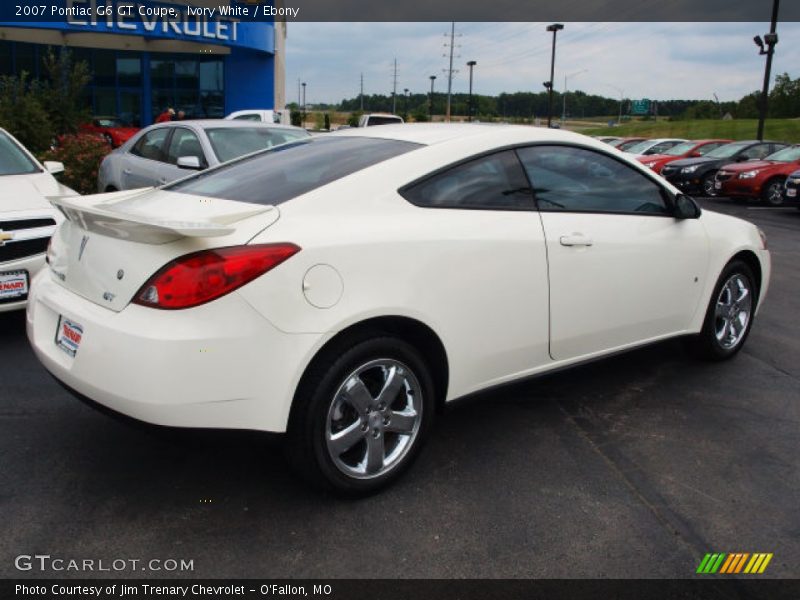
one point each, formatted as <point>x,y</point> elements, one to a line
<point>151,145</point>
<point>757,151</point>
<point>706,148</point>
<point>571,179</point>
<point>252,117</point>
<point>494,182</point>
<point>185,142</point>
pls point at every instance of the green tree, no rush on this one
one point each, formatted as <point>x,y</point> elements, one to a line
<point>296,117</point>
<point>22,113</point>
<point>352,120</point>
<point>62,90</point>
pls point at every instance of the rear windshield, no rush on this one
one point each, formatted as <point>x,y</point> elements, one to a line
<point>790,154</point>
<point>13,161</point>
<point>290,170</point>
<point>232,142</point>
<point>373,120</point>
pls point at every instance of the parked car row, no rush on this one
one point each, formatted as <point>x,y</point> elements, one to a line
<point>753,169</point>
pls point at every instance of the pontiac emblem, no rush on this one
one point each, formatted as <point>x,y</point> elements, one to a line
<point>84,241</point>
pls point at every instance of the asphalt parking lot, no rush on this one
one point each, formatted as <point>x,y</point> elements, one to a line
<point>635,466</point>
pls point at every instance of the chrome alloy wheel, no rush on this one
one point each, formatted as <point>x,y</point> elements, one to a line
<point>733,311</point>
<point>374,418</point>
<point>775,193</point>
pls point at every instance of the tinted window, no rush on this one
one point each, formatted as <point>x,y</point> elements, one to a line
<point>660,148</point>
<point>13,161</point>
<point>151,144</point>
<point>578,180</point>
<point>233,142</point>
<point>494,182</point>
<point>757,151</point>
<point>373,120</point>
<point>727,150</point>
<point>251,117</point>
<point>184,142</point>
<point>287,171</point>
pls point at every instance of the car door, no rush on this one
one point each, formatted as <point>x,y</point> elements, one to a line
<point>183,143</point>
<point>142,163</point>
<point>622,269</point>
<point>491,260</point>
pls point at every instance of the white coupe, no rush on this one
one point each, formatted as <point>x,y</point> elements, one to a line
<point>341,289</point>
<point>27,219</point>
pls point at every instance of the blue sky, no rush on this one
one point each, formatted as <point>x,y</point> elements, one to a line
<point>654,60</point>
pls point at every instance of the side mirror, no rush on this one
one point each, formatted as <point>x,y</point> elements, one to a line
<point>741,158</point>
<point>190,162</point>
<point>53,167</point>
<point>685,208</point>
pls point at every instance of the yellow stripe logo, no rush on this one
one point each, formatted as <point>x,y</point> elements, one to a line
<point>735,562</point>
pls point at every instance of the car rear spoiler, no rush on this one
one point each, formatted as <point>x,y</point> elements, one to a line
<point>136,218</point>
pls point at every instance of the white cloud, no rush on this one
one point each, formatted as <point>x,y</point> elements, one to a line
<point>656,60</point>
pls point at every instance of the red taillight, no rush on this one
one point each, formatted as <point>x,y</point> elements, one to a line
<point>204,276</point>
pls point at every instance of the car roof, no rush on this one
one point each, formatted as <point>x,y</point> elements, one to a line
<point>224,123</point>
<point>429,134</point>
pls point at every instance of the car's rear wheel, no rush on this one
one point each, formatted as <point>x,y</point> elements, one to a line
<point>708,183</point>
<point>359,419</point>
<point>772,193</point>
<point>730,313</point>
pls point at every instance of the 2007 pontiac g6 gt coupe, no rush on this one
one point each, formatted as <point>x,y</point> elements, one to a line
<point>339,289</point>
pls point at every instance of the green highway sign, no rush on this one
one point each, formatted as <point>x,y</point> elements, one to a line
<point>640,107</point>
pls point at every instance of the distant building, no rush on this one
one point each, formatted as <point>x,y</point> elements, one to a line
<point>140,67</point>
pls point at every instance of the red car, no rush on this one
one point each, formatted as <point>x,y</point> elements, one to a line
<point>114,131</point>
<point>690,149</point>
<point>760,179</point>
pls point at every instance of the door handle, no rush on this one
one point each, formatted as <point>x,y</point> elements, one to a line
<point>127,171</point>
<point>576,239</point>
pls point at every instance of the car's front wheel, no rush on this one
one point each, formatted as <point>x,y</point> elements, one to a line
<point>773,192</point>
<point>360,415</point>
<point>730,313</point>
<point>708,183</point>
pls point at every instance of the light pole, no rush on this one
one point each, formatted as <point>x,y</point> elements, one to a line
<point>770,40</point>
<point>555,28</point>
<point>564,107</point>
<point>621,93</point>
<point>304,104</point>
<point>470,64</point>
<point>430,101</point>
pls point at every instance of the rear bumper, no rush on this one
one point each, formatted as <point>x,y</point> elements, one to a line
<point>220,365</point>
<point>31,264</point>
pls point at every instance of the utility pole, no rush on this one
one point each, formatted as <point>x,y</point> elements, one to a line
<point>555,28</point>
<point>450,71</point>
<point>430,100</point>
<point>361,95</point>
<point>770,40</point>
<point>470,64</point>
<point>298,92</point>
<point>394,88</point>
<point>304,104</point>
<point>564,99</point>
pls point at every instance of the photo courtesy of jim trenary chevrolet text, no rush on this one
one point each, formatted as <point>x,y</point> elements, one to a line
<point>360,299</point>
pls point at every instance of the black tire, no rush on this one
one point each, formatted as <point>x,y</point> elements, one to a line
<point>706,344</point>
<point>772,192</point>
<point>707,184</point>
<point>306,442</point>
<point>110,189</point>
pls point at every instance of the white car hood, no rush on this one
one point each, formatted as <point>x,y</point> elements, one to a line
<point>26,192</point>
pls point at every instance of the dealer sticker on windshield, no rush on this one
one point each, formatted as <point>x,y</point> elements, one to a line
<point>13,284</point>
<point>68,336</point>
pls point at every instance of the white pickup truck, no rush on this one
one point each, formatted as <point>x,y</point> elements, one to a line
<point>379,119</point>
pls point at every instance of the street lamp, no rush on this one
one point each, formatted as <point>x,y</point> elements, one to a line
<point>769,40</point>
<point>564,107</point>
<point>555,28</point>
<point>304,104</point>
<point>470,64</point>
<point>430,101</point>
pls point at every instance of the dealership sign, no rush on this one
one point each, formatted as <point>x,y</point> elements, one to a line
<point>153,20</point>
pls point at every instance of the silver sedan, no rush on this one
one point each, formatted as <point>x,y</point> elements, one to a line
<point>168,151</point>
